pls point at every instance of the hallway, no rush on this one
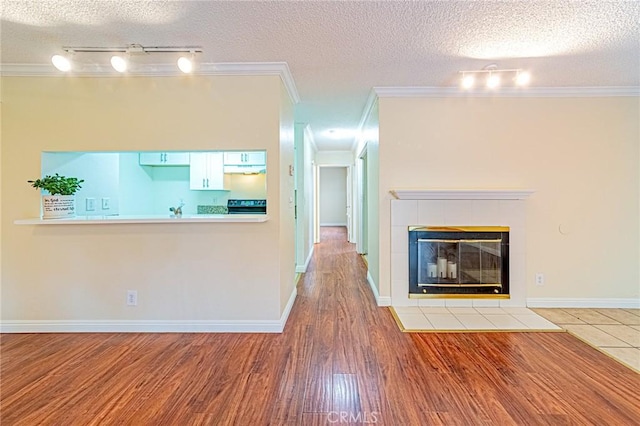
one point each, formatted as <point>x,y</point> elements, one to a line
<point>340,360</point>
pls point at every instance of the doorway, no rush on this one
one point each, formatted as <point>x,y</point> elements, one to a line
<point>334,197</point>
<point>362,241</point>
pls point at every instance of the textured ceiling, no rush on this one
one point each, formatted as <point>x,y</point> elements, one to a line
<point>338,51</point>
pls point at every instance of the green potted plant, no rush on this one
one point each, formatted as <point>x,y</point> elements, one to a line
<point>61,200</point>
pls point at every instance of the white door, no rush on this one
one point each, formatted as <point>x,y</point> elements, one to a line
<point>316,203</point>
<point>362,219</point>
<point>349,203</point>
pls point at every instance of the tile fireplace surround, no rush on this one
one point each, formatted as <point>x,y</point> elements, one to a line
<point>441,207</point>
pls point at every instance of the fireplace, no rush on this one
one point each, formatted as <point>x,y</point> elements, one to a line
<point>454,261</point>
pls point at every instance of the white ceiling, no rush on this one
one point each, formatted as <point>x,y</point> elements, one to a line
<point>338,51</point>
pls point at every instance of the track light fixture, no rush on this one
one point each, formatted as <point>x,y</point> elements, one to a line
<point>185,63</point>
<point>523,78</point>
<point>61,62</point>
<point>468,81</point>
<point>121,55</point>
<point>493,81</point>
<point>494,77</point>
<point>119,63</point>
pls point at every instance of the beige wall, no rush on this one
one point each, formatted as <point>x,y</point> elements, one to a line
<point>287,236</point>
<point>369,143</point>
<point>336,158</point>
<point>580,155</point>
<point>305,154</point>
<point>1,190</point>
<point>181,271</point>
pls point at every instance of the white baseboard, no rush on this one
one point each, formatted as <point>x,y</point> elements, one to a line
<point>151,326</point>
<point>141,326</point>
<point>301,269</point>
<point>553,302</point>
<point>333,224</point>
<point>380,300</point>
<point>287,309</point>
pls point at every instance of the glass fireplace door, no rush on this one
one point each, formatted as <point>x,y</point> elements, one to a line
<point>459,261</point>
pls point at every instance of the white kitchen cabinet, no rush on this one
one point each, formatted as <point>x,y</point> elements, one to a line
<point>164,158</point>
<point>206,171</point>
<point>245,158</point>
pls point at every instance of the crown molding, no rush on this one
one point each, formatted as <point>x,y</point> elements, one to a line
<point>257,68</point>
<point>280,69</point>
<point>507,92</point>
<point>372,100</point>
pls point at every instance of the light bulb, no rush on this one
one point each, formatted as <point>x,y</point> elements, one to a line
<point>339,133</point>
<point>185,64</point>
<point>61,62</point>
<point>493,81</point>
<point>119,63</point>
<point>468,81</point>
<point>523,78</point>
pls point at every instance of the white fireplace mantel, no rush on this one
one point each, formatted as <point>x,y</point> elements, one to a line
<point>458,207</point>
<point>461,194</point>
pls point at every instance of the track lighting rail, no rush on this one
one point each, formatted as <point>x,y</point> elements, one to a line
<point>134,48</point>
<point>119,60</point>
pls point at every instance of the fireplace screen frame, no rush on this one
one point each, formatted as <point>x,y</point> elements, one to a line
<point>453,278</point>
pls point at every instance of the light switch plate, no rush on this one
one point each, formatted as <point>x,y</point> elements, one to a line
<point>90,204</point>
<point>106,203</point>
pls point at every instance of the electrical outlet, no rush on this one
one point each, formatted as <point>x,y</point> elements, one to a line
<point>539,279</point>
<point>132,298</point>
<point>106,203</point>
<point>90,204</point>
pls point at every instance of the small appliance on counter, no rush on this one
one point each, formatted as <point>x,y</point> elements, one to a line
<point>247,206</point>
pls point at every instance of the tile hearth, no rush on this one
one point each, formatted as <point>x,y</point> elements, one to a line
<point>465,319</point>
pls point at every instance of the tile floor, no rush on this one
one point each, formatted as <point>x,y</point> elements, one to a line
<point>615,332</point>
<point>425,318</point>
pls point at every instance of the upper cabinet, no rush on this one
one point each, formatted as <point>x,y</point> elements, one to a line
<point>206,171</point>
<point>245,162</point>
<point>207,168</point>
<point>245,158</point>
<point>164,158</point>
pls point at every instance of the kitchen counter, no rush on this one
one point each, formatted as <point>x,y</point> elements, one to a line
<point>107,220</point>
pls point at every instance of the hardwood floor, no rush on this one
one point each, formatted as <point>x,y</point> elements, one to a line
<point>340,360</point>
<point>613,331</point>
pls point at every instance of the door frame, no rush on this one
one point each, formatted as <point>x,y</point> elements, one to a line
<point>360,199</point>
<point>349,192</point>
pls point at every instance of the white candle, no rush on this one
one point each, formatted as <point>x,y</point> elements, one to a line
<point>432,270</point>
<point>442,267</point>
<point>452,270</point>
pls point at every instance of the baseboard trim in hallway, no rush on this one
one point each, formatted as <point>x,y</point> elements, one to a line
<point>380,300</point>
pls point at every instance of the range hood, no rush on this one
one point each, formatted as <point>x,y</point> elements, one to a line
<point>246,170</point>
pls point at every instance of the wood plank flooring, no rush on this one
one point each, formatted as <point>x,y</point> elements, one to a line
<point>340,360</point>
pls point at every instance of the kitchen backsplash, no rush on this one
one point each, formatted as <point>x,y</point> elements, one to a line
<point>212,209</point>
